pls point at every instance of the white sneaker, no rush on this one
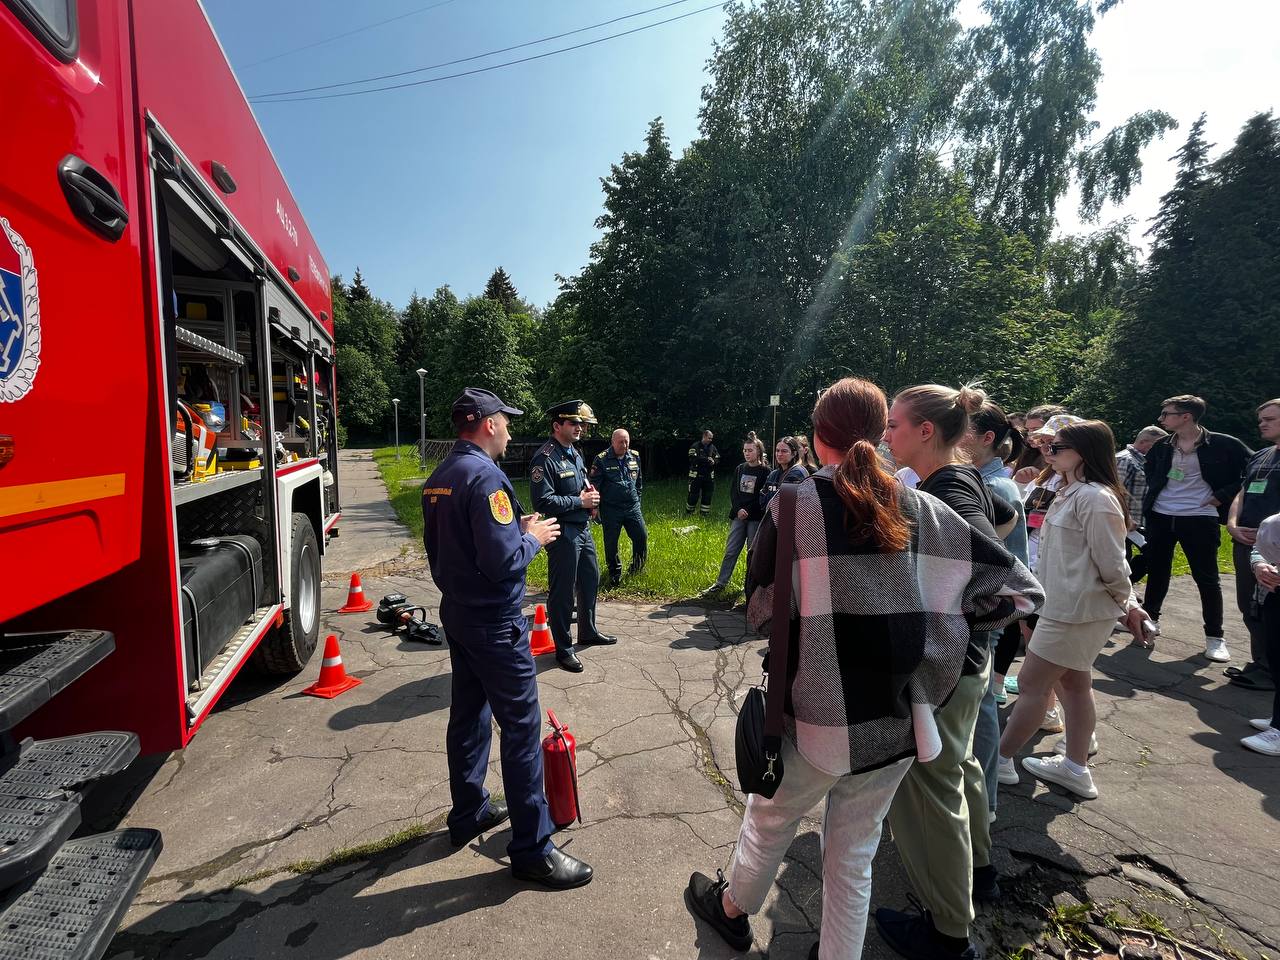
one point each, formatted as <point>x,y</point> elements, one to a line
<point>1006,771</point>
<point>1215,648</point>
<point>1052,722</point>
<point>1267,742</point>
<point>1261,724</point>
<point>1054,769</point>
<point>1060,748</point>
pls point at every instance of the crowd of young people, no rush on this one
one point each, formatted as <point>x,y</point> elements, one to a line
<point>912,597</point>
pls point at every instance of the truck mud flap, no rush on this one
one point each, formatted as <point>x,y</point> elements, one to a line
<point>71,911</point>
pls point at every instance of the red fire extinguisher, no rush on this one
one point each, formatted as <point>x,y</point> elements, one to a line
<point>560,774</point>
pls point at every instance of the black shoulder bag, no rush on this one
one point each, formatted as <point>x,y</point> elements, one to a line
<point>758,739</point>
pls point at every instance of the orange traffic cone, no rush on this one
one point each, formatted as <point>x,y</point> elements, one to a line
<point>357,602</point>
<point>540,641</point>
<point>333,675</point>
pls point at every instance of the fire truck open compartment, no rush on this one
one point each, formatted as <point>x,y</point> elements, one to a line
<point>243,365</point>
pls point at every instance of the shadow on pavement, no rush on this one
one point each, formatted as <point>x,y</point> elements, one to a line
<point>337,913</point>
<point>412,699</point>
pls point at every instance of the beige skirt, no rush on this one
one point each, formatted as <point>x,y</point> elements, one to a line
<point>1071,645</point>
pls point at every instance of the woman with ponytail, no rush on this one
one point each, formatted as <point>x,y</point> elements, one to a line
<point>947,859</point>
<point>880,639</point>
<point>744,509</point>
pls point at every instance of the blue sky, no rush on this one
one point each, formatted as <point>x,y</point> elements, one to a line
<point>441,183</point>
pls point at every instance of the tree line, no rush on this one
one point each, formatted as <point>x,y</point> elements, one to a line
<point>873,191</point>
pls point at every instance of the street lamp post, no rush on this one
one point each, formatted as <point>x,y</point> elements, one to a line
<point>396,404</point>
<point>422,416</point>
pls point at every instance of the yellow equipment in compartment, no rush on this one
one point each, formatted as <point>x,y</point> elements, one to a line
<point>253,464</point>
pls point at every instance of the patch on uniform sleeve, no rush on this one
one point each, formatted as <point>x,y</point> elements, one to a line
<point>500,506</point>
<point>536,475</point>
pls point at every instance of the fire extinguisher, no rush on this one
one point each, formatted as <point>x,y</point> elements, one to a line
<point>560,774</point>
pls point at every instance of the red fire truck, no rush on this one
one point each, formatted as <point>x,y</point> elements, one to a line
<point>167,391</point>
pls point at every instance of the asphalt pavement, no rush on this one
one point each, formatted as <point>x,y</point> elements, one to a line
<point>308,828</point>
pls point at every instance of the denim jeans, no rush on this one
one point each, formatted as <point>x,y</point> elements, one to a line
<point>741,533</point>
<point>986,740</point>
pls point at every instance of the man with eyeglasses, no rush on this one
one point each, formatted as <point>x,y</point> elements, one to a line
<point>1259,498</point>
<point>1193,475</point>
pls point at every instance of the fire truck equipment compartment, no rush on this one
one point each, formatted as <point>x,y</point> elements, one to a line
<point>35,666</point>
<point>74,907</point>
<point>222,584</point>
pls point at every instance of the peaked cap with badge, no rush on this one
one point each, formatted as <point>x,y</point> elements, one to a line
<point>576,411</point>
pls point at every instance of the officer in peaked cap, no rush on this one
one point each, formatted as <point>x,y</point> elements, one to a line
<point>558,480</point>
<point>479,543</point>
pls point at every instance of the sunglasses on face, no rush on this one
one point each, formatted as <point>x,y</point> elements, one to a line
<point>1057,448</point>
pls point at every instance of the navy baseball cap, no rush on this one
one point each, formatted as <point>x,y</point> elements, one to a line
<point>476,403</point>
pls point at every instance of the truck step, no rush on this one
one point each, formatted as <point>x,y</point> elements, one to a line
<point>35,666</point>
<point>31,830</point>
<point>52,769</point>
<point>71,911</point>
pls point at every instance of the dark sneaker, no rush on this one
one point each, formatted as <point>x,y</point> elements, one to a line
<point>703,897</point>
<point>986,884</point>
<point>914,937</point>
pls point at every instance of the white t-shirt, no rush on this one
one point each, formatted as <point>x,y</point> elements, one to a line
<point>1185,494</point>
<point>908,478</point>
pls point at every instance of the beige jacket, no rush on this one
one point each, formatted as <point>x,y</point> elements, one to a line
<point>1081,563</point>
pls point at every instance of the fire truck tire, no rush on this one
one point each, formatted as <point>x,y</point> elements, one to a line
<point>287,650</point>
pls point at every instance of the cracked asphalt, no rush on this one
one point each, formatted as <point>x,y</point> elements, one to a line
<point>1185,830</point>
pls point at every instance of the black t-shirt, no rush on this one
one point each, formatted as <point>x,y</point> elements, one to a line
<point>1262,476</point>
<point>748,481</point>
<point>960,487</point>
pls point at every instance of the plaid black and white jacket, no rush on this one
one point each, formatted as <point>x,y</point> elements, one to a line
<point>878,639</point>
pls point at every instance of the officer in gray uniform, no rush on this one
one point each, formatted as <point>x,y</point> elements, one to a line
<point>559,486</point>
<point>616,474</point>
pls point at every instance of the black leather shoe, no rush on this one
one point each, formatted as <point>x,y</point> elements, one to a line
<point>599,640</point>
<point>558,870</point>
<point>496,816</point>
<point>703,897</point>
<point>569,662</point>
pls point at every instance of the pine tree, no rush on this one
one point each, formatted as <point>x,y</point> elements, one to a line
<point>358,291</point>
<point>501,289</point>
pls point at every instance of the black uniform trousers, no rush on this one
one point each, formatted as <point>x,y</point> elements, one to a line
<point>700,487</point>
<point>494,678</point>
<point>614,520</point>
<point>572,567</point>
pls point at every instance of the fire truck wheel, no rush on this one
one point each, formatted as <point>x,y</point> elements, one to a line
<point>287,650</point>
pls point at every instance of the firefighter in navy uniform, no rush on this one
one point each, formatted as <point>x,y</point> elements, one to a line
<point>616,474</point>
<point>703,457</point>
<point>479,544</point>
<point>558,480</point>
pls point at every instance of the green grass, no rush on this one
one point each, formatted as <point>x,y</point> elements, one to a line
<point>680,564</point>
<point>1225,564</point>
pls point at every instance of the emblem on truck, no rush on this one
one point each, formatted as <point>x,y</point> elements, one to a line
<point>19,316</point>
